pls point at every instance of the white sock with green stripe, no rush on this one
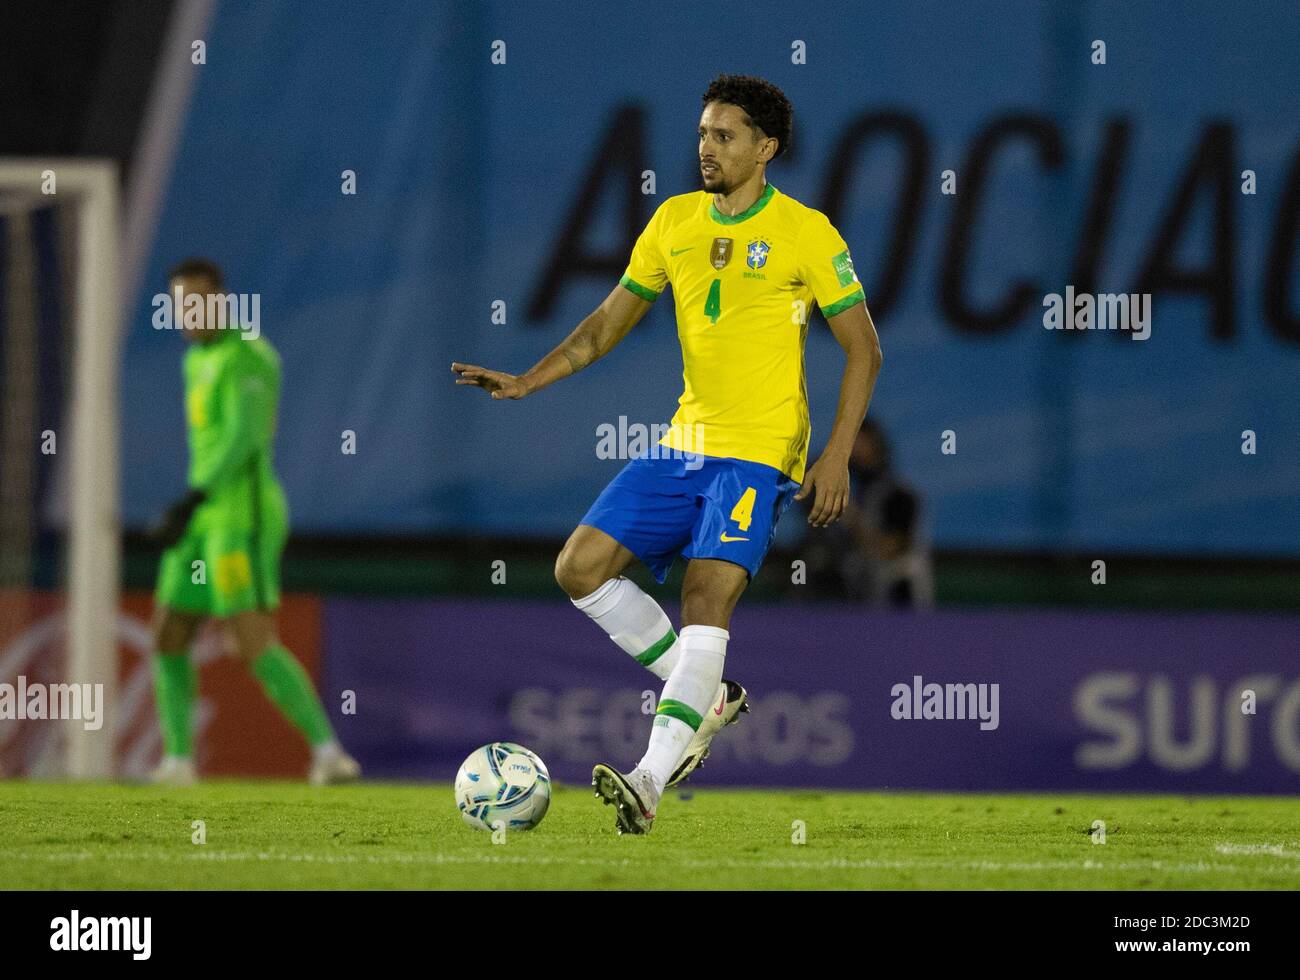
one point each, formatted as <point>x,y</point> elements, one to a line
<point>636,623</point>
<point>687,695</point>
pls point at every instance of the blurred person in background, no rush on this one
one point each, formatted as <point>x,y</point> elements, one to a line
<point>877,553</point>
<point>223,539</point>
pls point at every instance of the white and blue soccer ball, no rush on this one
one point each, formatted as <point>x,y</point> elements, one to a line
<point>503,786</point>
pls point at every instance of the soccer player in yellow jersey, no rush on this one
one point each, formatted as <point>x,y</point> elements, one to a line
<point>746,263</point>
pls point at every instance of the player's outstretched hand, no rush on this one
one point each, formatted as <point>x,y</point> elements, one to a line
<point>828,480</point>
<point>498,383</point>
<point>174,523</point>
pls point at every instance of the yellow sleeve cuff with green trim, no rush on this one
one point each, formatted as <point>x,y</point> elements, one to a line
<point>649,295</point>
<point>841,305</point>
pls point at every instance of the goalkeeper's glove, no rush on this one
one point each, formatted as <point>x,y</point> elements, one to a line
<point>172,527</point>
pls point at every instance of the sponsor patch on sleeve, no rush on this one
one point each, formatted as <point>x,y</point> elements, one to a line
<point>843,266</point>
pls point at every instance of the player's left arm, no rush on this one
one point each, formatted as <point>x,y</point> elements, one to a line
<point>828,478</point>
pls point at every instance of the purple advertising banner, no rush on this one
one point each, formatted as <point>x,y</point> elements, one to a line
<point>842,697</point>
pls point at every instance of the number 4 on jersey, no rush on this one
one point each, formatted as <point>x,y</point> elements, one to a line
<point>713,302</point>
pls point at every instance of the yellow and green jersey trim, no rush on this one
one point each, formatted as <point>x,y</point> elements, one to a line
<point>749,212</point>
<point>845,303</point>
<point>647,294</point>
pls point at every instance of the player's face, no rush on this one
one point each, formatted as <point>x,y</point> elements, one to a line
<point>188,285</point>
<point>729,153</point>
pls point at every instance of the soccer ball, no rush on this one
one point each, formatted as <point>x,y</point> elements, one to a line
<point>503,786</point>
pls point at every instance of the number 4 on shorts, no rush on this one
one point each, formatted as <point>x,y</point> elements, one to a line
<point>743,512</point>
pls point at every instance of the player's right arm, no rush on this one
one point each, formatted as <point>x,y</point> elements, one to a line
<point>593,338</point>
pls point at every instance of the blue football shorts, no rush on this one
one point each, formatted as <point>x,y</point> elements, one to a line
<point>697,506</point>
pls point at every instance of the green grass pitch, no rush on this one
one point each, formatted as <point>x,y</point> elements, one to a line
<point>267,835</point>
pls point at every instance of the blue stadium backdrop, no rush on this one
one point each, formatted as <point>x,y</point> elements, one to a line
<point>522,182</point>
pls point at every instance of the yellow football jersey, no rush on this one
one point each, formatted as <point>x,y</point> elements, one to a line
<point>744,288</point>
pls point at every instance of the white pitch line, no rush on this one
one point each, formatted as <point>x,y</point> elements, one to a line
<point>863,864</point>
<point>1271,850</point>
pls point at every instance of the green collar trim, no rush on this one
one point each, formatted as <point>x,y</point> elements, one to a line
<point>749,212</point>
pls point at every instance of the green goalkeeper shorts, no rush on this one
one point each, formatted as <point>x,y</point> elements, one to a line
<point>218,571</point>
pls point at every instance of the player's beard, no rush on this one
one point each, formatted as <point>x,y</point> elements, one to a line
<point>717,184</point>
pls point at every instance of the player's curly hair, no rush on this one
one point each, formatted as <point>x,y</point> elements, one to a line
<point>765,104</point>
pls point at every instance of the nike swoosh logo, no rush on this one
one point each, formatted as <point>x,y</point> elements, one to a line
<point>727,537</point>
<point>721,704</point>
<point>679,251</point>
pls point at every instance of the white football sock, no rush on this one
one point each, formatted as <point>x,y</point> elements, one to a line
<point>636,623</point>
<point>687,695</point>
<point>325,750</point>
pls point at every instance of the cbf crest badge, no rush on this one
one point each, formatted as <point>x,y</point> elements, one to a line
<point>756,253</point>
<point>720,254</point>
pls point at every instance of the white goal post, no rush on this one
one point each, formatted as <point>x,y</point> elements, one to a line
<point>93,517</point>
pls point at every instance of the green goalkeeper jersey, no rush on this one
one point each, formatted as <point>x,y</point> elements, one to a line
<point>232,396</point>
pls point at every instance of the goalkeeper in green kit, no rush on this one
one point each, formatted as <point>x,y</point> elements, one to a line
<point>224,538</point>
